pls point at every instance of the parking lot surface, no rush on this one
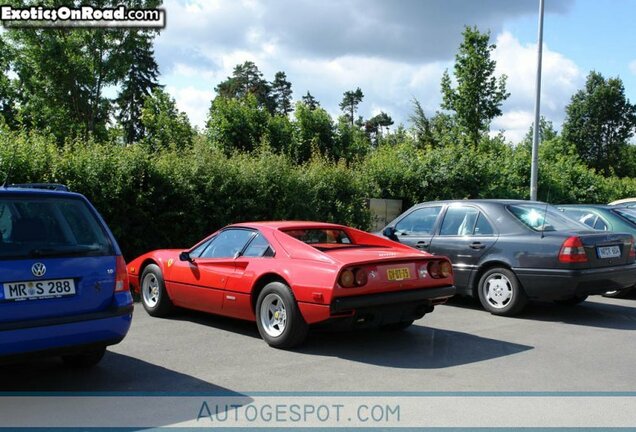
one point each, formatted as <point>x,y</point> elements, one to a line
<point>459,347</point>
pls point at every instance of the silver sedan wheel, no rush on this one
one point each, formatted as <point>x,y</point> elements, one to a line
<point>273,315</point>
<point>498,290</point>
<point>150,290</point>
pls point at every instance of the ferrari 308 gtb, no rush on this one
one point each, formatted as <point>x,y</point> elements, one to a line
<point>287,276</point>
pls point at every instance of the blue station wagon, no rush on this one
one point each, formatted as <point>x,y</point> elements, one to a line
<point>63,283</point>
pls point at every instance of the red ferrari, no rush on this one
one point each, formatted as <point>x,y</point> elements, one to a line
<point>289,275</point>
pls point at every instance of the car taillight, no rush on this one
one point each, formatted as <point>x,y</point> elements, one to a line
<point>438,269</point>
<point>121,276</point>
<point>433,269</point>
<point>572,251</point>
<point>632,248</point>
<point>361,277</point>
<point>445,269</point>
<point>353,277</point>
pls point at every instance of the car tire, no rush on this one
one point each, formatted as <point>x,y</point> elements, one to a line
<point>84,359</point>
<point>154,296</point>
<point>619,293</point>
<point>500,292</point>
<point>278,317</point>
<point>571,301</point>
<point>398,326</point>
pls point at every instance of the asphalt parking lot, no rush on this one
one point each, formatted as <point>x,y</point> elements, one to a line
<point>458,347</point>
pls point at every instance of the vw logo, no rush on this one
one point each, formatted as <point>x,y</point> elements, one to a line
<point>38,269</point>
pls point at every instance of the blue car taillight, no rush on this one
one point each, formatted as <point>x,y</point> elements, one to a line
<point>121,275</point>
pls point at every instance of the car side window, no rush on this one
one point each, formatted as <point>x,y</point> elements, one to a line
<point>227,243</point>
<point>483,227</point>
<point>420,221</point>
<point>197,251</point>
<point>459,221</point>
<point>600,225</point>
<point>259,247</point>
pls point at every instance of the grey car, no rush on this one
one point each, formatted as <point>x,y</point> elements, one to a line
<point>506,252</point>
<point>604,218</point>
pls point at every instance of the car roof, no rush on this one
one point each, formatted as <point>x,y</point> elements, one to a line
<point>9,190</point>
<point>482,201</point>
<point>590,206</point>
<point>281,225</point>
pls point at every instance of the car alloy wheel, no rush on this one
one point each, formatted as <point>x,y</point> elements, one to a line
<point>150,290</point>
<point>498,290</point>
<point>273,315</point>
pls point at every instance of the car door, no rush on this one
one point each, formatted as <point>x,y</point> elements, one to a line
<point>200,283</point>
<point>416,228</point>
<point>464,236</point>
<point>256,257</point>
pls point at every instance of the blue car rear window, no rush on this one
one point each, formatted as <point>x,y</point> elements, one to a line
<point>50,226</point>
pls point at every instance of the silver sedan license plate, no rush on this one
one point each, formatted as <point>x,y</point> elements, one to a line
<point>32,290</point>
<point>609,251</point>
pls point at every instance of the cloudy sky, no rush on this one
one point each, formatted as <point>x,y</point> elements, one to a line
<point>394,50</point>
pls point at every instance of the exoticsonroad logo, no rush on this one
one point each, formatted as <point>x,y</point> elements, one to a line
<point>81,16</point>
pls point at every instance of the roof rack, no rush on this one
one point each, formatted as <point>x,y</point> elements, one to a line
<point>47,186</point>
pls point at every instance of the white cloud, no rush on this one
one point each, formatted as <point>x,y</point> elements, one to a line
<point>632,67</point>
<point>194,102</point>
<point>560,78</point>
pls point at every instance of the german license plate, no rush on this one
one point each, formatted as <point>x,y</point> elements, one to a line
<point>33,290</point>
<point>397,274</point>
<point>609,251</point>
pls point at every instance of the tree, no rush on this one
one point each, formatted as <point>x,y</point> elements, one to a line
<point>421,125</point>
<point>374,125</point>
<point>281,94</point>
<point>310,101</point>
<point>164,124</point>
<point>350,101</point>
<point>246,80</point>
<point>141,72</point>
<point>478,95</point>
<point>547,132</point>
<point>7,86</point>
<point>600,121</point>
<point>237,124</point>
<point>314,132</point>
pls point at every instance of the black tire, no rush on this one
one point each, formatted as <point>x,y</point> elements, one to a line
<point>500,292</point>
<point>571,301</point>
<point>619,293</point>
<point>154,296</point>
<point>84,359</point>
<point>289,332</point>
<point>398,326</point>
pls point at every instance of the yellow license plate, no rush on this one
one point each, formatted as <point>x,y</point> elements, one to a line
<point>397,274</point>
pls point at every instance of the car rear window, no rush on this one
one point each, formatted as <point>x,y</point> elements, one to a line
<point>322,238</point>
<point>627,213</point>
<point>44,226</point>
<point>544,218</point>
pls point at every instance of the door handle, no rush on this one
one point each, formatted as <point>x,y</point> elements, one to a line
<point>421,245</point>
<point>477,245</point>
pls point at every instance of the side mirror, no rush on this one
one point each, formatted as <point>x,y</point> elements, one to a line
<point>185,256</point>
<point>389,232</point>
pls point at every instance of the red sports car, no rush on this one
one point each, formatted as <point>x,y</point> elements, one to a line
<point>289,275</point>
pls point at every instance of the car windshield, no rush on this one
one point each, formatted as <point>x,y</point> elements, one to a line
<point>627,213</point>
<point>544,218</point>
<point>50,227</point>
<point>322,238</point>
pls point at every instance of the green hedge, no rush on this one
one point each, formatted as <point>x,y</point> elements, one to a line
<point>172,198</point>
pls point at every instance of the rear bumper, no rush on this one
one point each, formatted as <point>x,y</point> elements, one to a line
<point>551,284</point>
<point>66,334</point>
<point>378,309</point>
